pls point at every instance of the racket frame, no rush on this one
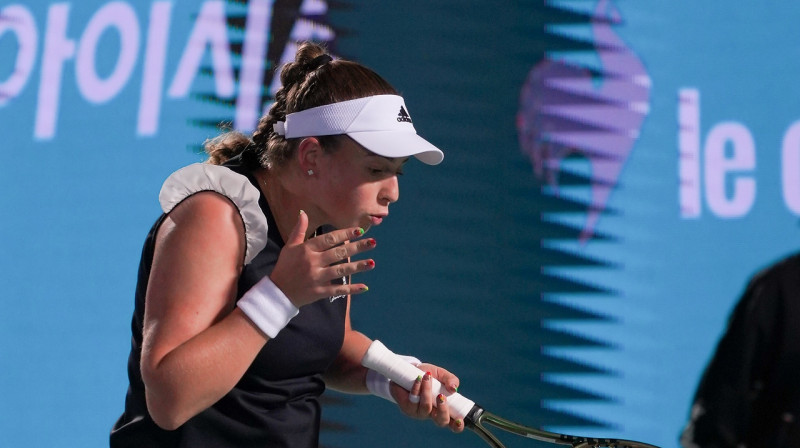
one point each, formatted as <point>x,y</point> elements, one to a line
<point>384,361</point>
<point>478,419</point>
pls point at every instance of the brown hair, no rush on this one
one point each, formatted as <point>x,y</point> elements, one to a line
<point>311,80</point>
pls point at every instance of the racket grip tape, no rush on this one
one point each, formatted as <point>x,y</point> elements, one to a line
<point>387,363</point>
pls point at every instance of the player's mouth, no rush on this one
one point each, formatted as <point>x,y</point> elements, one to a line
<point>376,219</point>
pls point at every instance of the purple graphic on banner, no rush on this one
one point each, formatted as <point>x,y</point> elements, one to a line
<point>567,109</point>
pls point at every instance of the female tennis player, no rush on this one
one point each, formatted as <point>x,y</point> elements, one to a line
<point>242,305</point>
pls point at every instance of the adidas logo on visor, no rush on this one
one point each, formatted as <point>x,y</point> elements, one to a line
<point>403,115</point>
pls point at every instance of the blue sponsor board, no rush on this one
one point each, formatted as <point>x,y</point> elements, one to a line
<point>614,173</point>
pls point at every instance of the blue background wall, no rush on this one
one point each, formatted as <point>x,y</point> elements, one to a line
<point>484,267</point>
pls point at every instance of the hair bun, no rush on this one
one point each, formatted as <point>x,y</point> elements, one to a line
<point>309,57</point>
<point>319,61</point>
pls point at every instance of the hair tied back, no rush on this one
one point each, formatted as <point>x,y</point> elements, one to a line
<point>319,61</point>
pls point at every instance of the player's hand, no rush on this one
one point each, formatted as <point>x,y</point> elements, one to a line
<point>419,401</point>
<point>305,269</point>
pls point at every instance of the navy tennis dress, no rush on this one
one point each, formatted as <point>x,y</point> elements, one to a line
<point>276,403</point>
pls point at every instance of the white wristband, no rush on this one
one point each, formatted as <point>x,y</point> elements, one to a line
<point>268,307</point>
<point>379,385</point>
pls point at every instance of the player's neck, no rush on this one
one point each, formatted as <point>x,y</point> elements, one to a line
<point>284,203</point>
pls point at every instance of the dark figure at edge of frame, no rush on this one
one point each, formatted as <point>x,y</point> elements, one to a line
<point>749,395</point>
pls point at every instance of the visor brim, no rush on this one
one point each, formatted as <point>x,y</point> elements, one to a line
<point>399,144</point>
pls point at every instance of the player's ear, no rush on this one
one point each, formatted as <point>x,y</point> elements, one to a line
<point>308,153</point>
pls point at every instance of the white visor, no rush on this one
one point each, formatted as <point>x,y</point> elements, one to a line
<point>380,123</point>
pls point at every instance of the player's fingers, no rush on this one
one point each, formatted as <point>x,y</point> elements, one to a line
<point>457,425</point>
<point>334,238</point>
<point>340,290</point>
<point>346,250</point>
<point>425,396</point>
<point>413,394</point>
<point>450,381</point>
<point>441,415</point>
<point>298,234</point>
<point>346,269</point>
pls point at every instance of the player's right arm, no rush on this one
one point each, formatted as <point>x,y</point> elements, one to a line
<point>197,343</point>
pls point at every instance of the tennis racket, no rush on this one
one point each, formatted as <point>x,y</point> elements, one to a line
<point>384,361</point>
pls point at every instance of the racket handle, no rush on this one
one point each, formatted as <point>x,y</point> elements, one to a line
<point>384,361</point>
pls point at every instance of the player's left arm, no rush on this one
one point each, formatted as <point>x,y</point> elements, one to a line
<point>346,374</point>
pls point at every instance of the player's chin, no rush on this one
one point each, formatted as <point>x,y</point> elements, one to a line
<point>367,222</point>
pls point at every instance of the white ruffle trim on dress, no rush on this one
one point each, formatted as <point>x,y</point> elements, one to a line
<point>205,177</point>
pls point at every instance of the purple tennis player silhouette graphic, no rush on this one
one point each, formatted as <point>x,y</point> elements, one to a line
<point>564,110</point>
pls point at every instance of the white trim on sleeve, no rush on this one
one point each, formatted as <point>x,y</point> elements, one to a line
<point>199,177</point>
